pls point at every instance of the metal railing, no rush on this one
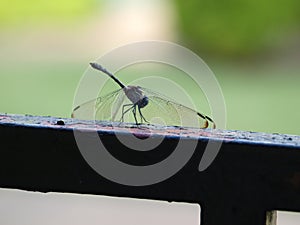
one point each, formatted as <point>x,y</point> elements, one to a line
<point>253,175</point>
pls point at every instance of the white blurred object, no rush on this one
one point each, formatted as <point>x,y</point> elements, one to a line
<point>33,208</point>
<point>288,218</point>
<point>133,20</point>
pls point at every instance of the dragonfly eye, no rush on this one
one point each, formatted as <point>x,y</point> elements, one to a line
<point>143,102</point>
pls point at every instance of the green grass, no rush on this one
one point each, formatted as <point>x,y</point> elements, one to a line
<point>264,100</point>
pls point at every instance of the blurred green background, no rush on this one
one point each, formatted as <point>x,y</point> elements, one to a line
<point>252,46</point>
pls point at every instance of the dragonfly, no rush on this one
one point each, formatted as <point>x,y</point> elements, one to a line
<point>143,103</point>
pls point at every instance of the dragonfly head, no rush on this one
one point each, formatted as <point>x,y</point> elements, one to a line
<point>143,102</point>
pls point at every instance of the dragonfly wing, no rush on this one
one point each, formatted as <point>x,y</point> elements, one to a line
<point>101,108</point>
<point>172,113</point>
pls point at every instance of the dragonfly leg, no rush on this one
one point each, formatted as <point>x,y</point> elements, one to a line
<point>142,117</point>
<point>134,114</point>
<point>125,111</point>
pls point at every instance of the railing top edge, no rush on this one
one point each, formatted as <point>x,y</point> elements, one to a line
<point>226,136</point>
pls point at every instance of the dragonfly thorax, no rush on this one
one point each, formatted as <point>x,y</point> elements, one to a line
<point>136,96</point>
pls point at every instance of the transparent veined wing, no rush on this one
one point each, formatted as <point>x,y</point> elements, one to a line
<point>169,112</point>
<point>101,108</point>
